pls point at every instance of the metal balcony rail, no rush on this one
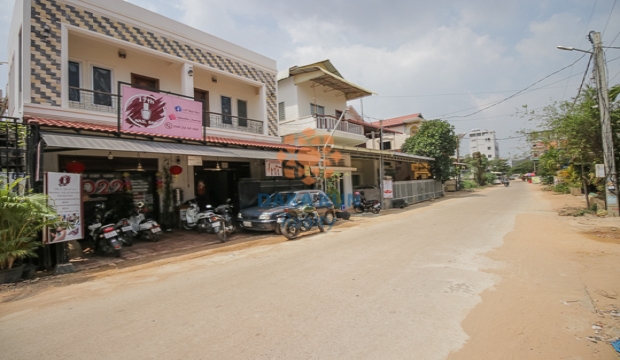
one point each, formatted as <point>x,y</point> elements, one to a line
<point>14,137</point>
<point>329,122</point>
<point>92,100</point>
<point>223,121</point>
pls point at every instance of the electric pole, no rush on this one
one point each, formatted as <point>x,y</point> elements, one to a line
<point>381,163</point>
<point>611,181</point>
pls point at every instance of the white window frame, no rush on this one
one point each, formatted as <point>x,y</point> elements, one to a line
<point>281,111</point>
<point>314,109</point>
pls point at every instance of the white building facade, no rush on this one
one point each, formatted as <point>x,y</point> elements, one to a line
<point>70,62</point>
<point>485,142</point>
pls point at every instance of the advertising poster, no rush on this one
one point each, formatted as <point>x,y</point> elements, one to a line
<point>159,114</point>
<point>65,193</point>
<point>388,191</point>
<point>273,167</point>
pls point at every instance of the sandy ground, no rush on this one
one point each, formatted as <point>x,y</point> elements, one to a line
<point>558,297</point>
<point>495,274</point>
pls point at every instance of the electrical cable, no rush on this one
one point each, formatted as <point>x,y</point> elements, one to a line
<point>517,93</point>
<point>609,17</point>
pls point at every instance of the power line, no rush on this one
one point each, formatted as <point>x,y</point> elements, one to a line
<point>519,92</point>
<point>609,17</point>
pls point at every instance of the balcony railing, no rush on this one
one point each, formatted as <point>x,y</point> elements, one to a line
<point>329,122</point>
<point>230,122</point>
<point>105,102</point>
<point>92,100</point>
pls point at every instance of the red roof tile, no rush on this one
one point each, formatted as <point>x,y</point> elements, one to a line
<point>371,125</point>
<point>113,129</point>
<point>399,120</point>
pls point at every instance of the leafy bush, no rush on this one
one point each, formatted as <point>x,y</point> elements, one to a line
<point>469,184</point>
<point>489,178</point>
<point>562,188</point>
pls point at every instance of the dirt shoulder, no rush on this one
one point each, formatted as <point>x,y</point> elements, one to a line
<point>558,297</point>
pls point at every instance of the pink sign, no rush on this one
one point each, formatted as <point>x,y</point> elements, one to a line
<point>159,114</point>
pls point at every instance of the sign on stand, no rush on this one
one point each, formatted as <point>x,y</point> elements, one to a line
<point>388,191</point>
<point>65,194</point>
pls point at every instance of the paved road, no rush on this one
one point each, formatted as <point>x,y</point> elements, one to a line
<point>397,287</point>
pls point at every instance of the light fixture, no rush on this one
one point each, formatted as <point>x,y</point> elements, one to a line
<point>110,156</point>
<point>139,168</point>
<point>217,166</point>
<point>178,159</point>
<point>46,31</point>
<point>122,54</point>
<point>190,72</point>
<point>214,78</point>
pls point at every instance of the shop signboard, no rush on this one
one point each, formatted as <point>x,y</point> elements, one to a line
<point>160,114</point>
<point>273,167</point>
<point>194,160</point>
<point>388,191</point>
<point>600,170</point>
<point>65,193</point>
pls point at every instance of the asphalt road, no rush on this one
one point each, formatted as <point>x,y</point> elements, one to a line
<point>396,287</point>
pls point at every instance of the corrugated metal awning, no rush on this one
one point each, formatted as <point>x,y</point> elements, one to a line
<point>53,140</point>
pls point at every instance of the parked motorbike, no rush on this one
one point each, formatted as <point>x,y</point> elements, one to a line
<point>138,226</point>
<point>360,204</point>
<point>207,221</point>
<point>295,220</point>
<point>226,211</point>
<point>104,237</point>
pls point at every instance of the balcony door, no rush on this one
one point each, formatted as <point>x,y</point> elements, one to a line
<point>226,110</point>
<point>203,97</point>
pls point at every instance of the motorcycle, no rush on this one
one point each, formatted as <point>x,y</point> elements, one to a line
<point>360,204</point>
<point>104,237</point>
<point>506,182</point>
<point>207,221</point>
<point>138,226</point>
<point>295,220</point>
<point>225,210</point>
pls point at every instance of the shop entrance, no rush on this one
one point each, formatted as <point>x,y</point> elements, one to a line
<point>217,181</point>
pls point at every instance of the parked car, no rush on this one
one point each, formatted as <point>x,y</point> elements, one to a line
<point>264,216</point>
<point>515,176</point>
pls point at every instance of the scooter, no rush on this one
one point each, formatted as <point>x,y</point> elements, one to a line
<point>506,182</point>
<point>196,219</point>
<point>104,237</point>
<point>141,227</point>
<point>360,204</point>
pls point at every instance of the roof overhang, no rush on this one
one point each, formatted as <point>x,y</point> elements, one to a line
<point>74,142</point>
<point>323,77</point>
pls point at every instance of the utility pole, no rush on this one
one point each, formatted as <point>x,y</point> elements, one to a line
<point>381,163</point>
<point>611,181</point>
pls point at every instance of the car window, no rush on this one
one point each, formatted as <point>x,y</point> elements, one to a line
<point>280,199</point>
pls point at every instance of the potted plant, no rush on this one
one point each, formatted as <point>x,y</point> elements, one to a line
<point>22,216</point>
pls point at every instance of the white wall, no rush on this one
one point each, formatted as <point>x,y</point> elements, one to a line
<point>17,98</point>
<point>306,95</point>
<point>287,93</point>
<point>236,90</point>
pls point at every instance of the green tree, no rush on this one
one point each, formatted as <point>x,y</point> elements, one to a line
<point>436,139</point>
<point>499,165</point>
<point>478,165</point>
<point>523,167</point>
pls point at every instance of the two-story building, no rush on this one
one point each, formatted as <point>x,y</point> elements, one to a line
<point>313,112</point>
<point>396,131</point>
<point>120,93</point>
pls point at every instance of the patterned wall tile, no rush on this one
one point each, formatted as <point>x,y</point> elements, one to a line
<point>46,45</point>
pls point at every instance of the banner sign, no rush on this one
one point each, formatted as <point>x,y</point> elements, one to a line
<point>159,114</point>
<point>388,191</point>
<point>65,193</point>
<point>273,167</point>
<point>194,160</point>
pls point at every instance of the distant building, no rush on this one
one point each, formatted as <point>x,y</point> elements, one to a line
<point>399,130</point>
<point>485,142</point>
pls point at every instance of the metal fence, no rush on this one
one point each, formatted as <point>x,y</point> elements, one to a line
<point>417,191</point>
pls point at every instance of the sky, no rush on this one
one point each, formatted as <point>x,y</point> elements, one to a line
<point>448,59</point>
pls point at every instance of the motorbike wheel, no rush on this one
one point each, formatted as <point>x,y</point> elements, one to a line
<point>359,209</point>
<point>222,234</point>
<point>290,230</point>
<point>187,226</point>
<point>127,240</point>
<point>154,237</point>
<point>329,218</point>
<point>319,224</point>
<point>375,210</point>
<point>117,253</point>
